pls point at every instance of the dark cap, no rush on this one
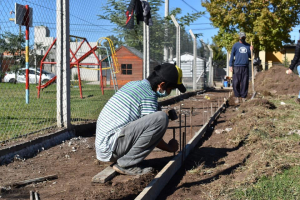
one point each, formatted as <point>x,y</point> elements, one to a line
<point>171,73</point>
<point>242,34</point>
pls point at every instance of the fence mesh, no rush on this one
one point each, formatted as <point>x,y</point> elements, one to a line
<point>103,57</point>
<point>18,117</point>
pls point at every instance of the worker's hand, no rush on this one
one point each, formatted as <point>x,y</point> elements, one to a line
<point>173,145</point>
<point>289,71</point>
<point>251,48</point>
<point>231,69</point>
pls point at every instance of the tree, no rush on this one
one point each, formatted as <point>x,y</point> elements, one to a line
<point>2,50</point>
<point>14,43</point>
<point>219,57</point>
<point>114,11</point>
<point>266,22</point>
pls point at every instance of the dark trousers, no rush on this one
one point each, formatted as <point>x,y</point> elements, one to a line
<point>240,82</point>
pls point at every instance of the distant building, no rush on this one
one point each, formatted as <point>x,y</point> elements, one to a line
<point>131,65</point>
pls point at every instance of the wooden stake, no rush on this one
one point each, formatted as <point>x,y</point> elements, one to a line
<point>35,180</point>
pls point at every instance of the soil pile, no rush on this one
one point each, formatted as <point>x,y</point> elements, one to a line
<point>276,81</point>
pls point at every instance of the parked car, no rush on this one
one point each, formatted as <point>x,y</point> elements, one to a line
<point>21,76</point>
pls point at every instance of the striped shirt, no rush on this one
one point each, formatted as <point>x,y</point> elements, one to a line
<point>131,102</point>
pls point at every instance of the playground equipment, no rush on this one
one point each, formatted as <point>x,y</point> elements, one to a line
<point>114,67</point>
<point>78,62</point>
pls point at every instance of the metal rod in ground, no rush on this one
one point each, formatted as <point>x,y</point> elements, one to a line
<point>183,148</point>
<point>36,196</point>
<point>207,114</point>
<point>211,109</point>
<point>184,122</point>
<point>203,114</point>
<point>174,136</point>
<point>180,131</point>
<point>182,151</point>
<point>31,195</point>
<point>191,126</point>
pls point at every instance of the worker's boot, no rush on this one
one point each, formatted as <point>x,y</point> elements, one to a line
<point>297,101</point>
<point>237,100</point>
<point>133,170</point>
<point>244,100</point>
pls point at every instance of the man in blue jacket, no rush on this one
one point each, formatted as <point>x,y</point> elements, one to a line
<point>241,51</point>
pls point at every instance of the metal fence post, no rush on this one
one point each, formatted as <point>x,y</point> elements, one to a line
<point>59,56</point>
<point>66,65</point>
<point>211,68</point>
<point>63,64</point>
<point>195,60</point>
<point>178,58</point>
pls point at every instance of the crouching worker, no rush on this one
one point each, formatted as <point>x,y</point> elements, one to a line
<point>130,126</point>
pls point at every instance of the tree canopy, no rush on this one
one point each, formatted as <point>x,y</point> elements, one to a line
<point>13,43</point>
<point>266,22</point>
<point>114,11</point>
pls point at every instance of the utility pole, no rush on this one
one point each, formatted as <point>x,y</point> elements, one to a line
<point>166,56</point>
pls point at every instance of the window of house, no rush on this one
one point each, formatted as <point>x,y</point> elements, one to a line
<point>126,69</point>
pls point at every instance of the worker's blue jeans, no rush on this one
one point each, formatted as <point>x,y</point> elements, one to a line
<point>298,68</point>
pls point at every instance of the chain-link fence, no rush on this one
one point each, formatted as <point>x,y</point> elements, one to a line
<point>30,106</point>
<point>51,79</point>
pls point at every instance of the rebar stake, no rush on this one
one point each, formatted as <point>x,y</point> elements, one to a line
<point>174,136</point>
<point>180,130</point>
<point>191,115</point>
<point>183,147</point>
<point>31,195</point>
<point>203,114</point>
<point>184,122</point>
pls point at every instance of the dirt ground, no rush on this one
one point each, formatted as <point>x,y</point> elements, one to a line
<point>251,140</point>
<point>75,164</point>
<point>275,81</point>
<point>248,141</point>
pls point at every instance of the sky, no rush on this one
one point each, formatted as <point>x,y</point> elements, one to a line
<point>84,21</point>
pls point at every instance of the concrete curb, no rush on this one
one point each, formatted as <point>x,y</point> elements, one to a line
<point>154,188</point>
<point>30,148</point>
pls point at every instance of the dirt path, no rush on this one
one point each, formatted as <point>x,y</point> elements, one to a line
<point>75,164</point>
<point>261,142</point>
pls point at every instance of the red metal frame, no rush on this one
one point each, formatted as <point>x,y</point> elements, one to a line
<point>72,64</point>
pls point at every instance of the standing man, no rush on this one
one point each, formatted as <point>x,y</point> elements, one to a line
<point>241,51</point>
<point>130,126</point>
<point>296,62</point>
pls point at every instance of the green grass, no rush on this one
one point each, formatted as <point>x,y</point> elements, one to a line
<point>18,118</point>
<point>282,186</point>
